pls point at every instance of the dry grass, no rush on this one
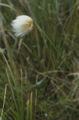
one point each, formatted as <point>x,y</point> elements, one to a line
<point>41,70</point>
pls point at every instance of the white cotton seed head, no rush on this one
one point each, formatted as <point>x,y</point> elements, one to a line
<point>22,25</point>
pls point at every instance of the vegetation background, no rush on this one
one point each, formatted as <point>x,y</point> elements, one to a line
<point>39,73</point>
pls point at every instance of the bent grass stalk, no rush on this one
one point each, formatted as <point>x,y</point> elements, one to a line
<point>13,87</point>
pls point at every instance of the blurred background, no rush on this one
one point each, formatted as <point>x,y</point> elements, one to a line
<point>39,73</point>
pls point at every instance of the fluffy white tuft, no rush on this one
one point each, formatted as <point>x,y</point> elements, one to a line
<point>22,25</point>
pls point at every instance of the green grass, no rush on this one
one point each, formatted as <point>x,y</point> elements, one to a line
<point>39,78</point>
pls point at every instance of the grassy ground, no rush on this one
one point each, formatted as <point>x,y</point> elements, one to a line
<point>39,78</point>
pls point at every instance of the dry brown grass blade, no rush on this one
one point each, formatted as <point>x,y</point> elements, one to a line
<point>12,62</point>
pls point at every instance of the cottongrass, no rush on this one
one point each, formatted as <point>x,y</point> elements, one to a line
<point>22,25</point>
